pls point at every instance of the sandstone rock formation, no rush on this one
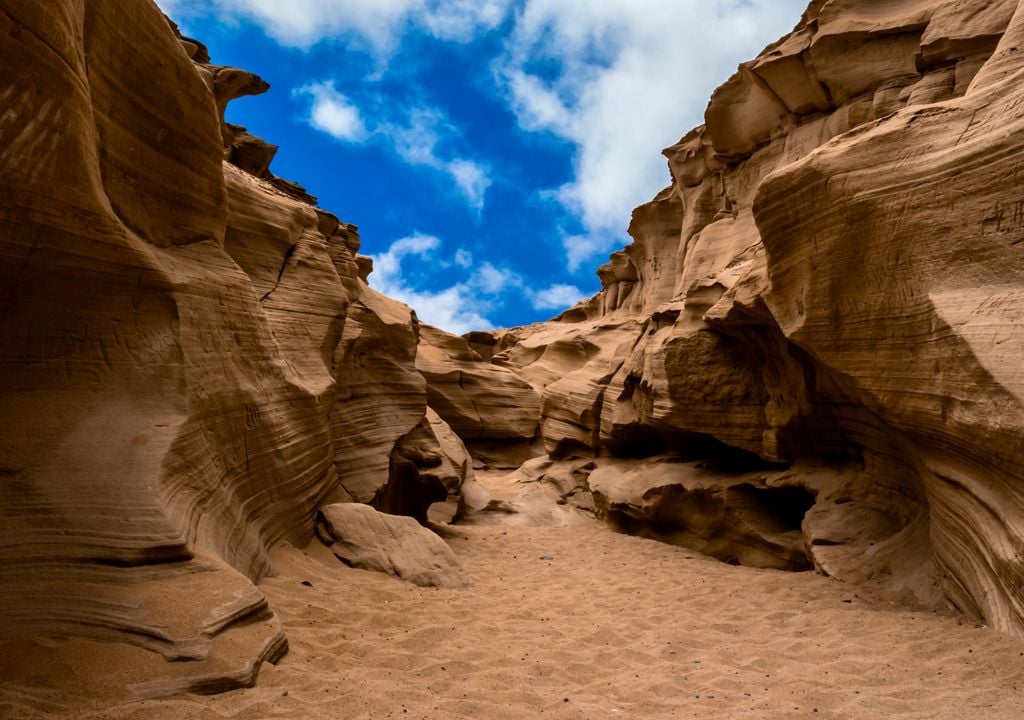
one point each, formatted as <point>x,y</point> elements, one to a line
<point>479,400</point>
<point>831,281</point>
<point>364,538</point>
<point>429,465</point>
<point>747,519</point>
<point>809,355</point>
<point>192,363</point>
<point>539,493</point>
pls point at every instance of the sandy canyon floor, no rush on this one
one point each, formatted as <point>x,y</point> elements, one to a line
<point>583,622</point>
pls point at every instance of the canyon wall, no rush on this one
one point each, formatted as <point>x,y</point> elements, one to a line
<point>827,299</point>
<point>809,356</point>
<point>192,362</point>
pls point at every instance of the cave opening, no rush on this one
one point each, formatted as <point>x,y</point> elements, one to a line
<point>742,524</point>
<point>776,509</point>
<point>641,441</point>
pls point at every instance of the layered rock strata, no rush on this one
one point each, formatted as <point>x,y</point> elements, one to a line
<point>832,280</point>
<point>479,400</point>
<point>192,363</point>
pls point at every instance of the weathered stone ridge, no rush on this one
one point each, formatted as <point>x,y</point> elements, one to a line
<point>192,362</point>
<point>831,281</point>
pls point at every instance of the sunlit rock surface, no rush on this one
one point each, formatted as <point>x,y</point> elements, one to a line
<point>832,282</point>
<point>192,363</point>
<point>809,356</point>
<point>479,400</point>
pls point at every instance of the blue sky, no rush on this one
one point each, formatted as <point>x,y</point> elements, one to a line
<point>490,151</point>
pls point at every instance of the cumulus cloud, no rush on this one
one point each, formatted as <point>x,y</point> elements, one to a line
<point>491,280</point>
<point>580,248</point>
<point>622,79</point>
<point>450,308</point>
<point>556,297</point>
<point>471,178</point>
<point>333,113</point>
<point>461,20</point>
<point>387,266</point>
<point>447,309</point>
<point>464,305</point>
<point>459,308</point>
<point>303,23</point>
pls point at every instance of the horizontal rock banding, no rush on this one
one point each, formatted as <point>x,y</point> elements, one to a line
<point>833,274</point>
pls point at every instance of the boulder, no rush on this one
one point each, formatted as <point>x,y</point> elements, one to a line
<point>362,537</point>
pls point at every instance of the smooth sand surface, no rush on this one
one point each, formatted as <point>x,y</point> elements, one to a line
<point>582,622</point>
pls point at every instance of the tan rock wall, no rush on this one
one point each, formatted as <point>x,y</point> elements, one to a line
<point>191,365</point>
<point>834,275</point>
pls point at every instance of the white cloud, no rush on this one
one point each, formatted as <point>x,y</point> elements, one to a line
<point>537,107</point>
<point>171,7</point>
<point>333,113</point>
<point>379,23</point>
<point>416,139</point>
<point>630,77</point>
<point>458,308</point>
<point>448,309</point>
<point>387,266</point>
<point>471,178</point>
<point>491,280</point>
<point>451,308</point>
<point>423,137</point>
<point>461,19</point>
<point>580,248</point>
<point>464,305</point>
<point>556,297</point>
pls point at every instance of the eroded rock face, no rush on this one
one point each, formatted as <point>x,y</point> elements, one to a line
<point>478,400</point>
<point>745,518</point>
<point>192,364</point>
<point>428,465</point>
<point>397,545</point>
<point>832,277</point>
<point>570,366</point>
<point>539,493</point>
<point>381,397</point>
<point>828,294</point>
<point>121,456</point>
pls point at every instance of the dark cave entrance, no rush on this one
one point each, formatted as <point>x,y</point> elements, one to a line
<point>778,509</point>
